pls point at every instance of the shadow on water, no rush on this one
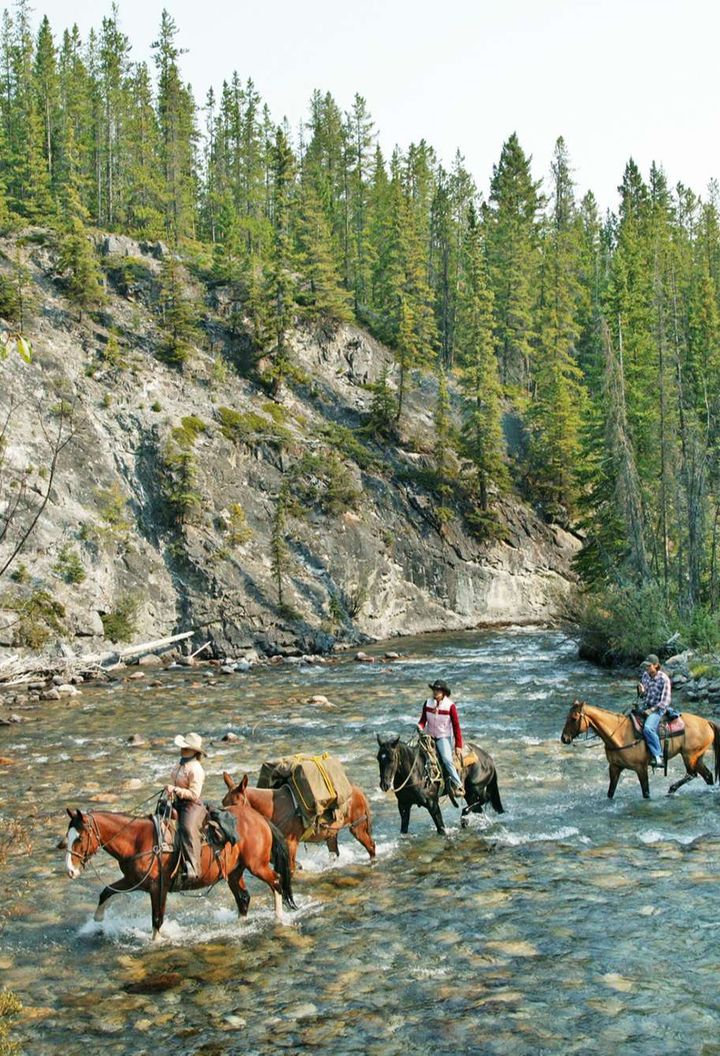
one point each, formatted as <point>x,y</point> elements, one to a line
<point>567,925</point>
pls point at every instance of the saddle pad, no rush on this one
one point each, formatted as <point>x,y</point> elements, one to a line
<point>169,832</point>
<point>666,729</point>
<point>465,757</point>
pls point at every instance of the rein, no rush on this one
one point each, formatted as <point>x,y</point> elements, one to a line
<point>614,747</point>
<point>410,772</point>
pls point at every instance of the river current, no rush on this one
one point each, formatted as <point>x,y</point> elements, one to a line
<point>569,924</point>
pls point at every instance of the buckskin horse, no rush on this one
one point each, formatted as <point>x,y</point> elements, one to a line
<point>133,842</point>
<point>626,749</point>
<point>278,806</point>
<point>402,769</point>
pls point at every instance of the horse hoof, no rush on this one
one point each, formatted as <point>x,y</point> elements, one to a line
<point>99,916</point>
<point>464,823</point>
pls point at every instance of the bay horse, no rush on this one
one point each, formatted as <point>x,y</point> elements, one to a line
<point>402,769</point>
<point>625,750</point>
<point>278,806</point>
<point>132,841</point>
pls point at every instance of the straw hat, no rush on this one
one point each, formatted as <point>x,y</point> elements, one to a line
<point>193,741</point>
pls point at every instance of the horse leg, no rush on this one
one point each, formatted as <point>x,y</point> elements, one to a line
<point>271,878</point>
<point>701,769</point>
<point>158,908</point>
<point>433,807</point>
<point>236,884</point>
<point>615,772</point>
<point>332,844</point>
<point>689,776</point>
<point>642,774</point>
<point>107,892</point>
<point>361,832</point>
<point>404,809</point>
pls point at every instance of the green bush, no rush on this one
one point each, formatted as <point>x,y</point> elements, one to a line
<point>69,566</point>
<point>238,531</point>
<point>349,444</point>
<point>188,431</point>
<point>702,630</point>
<point>622,624</point>
<point>251,428</point>
<point>320,480</point>
<point>120,624</point>
<point>20,574</point>
<point>39,615</point>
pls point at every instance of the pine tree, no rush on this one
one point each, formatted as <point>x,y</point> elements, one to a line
<point>178,314</point>
<point>482,433</point>
<point>513,258</point>
<point>281,283</point>
<point>442,446</point>
<point>324,294</point>
<point>176,119</point>
<point>557,411</point>
<point>77,259</point>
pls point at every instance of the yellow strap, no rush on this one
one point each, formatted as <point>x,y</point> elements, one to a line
<point>318,760</point>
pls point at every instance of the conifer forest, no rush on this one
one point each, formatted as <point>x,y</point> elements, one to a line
<point>577,350</point>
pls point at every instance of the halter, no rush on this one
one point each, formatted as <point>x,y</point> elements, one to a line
<point>591,733</point>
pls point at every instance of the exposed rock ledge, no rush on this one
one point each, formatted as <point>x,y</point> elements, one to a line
<point>384,567</point>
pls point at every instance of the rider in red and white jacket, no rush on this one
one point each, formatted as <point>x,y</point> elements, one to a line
<point>440,720</point>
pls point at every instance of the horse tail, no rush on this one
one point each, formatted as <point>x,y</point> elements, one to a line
<point>280,856</point>
<point>495,794</point>
<point>716,746</point>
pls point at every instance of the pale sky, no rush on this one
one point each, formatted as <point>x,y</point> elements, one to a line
<point>614,77</point>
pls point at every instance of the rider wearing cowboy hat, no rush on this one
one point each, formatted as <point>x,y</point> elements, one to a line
<point>185,788</point>
<point>440,718</point>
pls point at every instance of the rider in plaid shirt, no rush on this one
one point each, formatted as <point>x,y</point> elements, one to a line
<point>656,689</point>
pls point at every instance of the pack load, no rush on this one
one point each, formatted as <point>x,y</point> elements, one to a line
<point>319,785</point>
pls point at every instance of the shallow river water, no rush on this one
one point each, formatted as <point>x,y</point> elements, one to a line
<point>566,925</point>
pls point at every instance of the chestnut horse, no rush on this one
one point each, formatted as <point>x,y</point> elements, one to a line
<point>261,849</point>
<point>626,751</point>
<point>278,806</point>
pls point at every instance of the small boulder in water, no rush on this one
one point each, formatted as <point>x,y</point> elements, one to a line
<point>320,701</point>
<point>50,694</point>
<point>392,656</point>
<point>68,690</point>
<point>150,660</point>
<point>136,740</point>
<point>243,665</point>
<point>227,669</point>
<point>230,736</point>
<point>136,675</point>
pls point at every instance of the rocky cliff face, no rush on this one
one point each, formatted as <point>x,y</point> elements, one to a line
<point>161,514</point>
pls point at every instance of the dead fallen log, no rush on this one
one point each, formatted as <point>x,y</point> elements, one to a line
<point>19,670</point>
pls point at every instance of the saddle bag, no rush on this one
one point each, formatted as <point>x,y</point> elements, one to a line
<point>318,783</point>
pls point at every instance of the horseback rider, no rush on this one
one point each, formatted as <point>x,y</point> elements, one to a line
<point>440,719</point>
<point>655,689</point>
<point>184,789</point>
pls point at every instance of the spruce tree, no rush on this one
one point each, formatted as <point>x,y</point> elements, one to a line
<point>482,435</point>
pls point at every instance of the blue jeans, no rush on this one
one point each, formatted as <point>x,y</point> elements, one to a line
<point>444,750</point>
<point>651,735</point>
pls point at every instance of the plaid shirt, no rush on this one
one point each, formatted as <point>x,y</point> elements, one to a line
<point>658,691</point>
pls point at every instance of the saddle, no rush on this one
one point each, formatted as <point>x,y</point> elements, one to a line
<point>668,728</point>
<point>219,828</point>
<point>434,770</point>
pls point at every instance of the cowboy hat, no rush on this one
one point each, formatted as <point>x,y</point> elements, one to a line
<point>440,685</point>
<point>193,741</point>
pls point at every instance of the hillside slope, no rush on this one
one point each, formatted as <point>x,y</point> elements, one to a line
<point>163,513</point>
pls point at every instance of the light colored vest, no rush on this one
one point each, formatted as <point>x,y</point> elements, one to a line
<point>439,723</point>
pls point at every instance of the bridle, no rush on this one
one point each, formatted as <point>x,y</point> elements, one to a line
<point>395,752</point>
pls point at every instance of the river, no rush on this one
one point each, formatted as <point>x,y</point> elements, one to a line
<point>566,925</point>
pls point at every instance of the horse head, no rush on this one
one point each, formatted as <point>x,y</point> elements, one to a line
<point>388,758</point>
<point>235,793</point>
<point>576,722</point>
<point>82,842</point>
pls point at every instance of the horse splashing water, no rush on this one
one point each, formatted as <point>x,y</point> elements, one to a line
<point>402,769</point>
<point>133,842</point>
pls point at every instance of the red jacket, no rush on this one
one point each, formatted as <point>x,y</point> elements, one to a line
<point>443,711</point>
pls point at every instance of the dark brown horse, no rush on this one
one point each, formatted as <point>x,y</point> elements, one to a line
<point>261,849</point>
<point>625,750</point>
<point>278,806</point>
<point>402,769</point>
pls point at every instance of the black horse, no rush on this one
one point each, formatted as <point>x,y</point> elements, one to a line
<point>402,769</point>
